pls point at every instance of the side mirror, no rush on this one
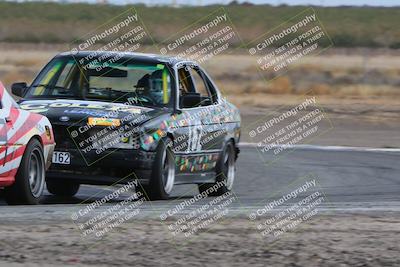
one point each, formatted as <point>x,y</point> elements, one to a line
<point>190,100</point>
<point>19,89</point>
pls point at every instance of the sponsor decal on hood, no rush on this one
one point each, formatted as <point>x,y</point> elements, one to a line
<point>93,113</point>
<point>79,106</point>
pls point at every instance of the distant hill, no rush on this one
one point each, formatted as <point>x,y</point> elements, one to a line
<point>63,23</point>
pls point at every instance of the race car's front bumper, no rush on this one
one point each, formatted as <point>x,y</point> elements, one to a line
<point>112,166</point>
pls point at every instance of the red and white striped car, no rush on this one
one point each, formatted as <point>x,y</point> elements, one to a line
<point>26,147</point>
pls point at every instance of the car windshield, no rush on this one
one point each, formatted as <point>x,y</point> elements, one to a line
<point>125,82</point>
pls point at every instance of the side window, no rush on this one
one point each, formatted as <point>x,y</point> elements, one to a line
<point>201,87</point>
<point>186,88</point>
<point>207,93</point>
<point>185,82</point>
<point>194,83</point>
<point>211,89</point>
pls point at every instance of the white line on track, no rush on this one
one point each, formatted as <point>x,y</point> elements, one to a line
<point>329,148</point>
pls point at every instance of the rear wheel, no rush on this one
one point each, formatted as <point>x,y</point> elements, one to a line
<point>62,188</point>
<point>30,179</point>
<point>163,175</point>
<point>225,173</point>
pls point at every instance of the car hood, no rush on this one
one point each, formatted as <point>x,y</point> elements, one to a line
<point>64,111</point>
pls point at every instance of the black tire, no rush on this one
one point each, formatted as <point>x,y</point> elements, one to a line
<point>163,173</point>
<point>30,178</point>
<point>227,157</point>
<point>62,188</point>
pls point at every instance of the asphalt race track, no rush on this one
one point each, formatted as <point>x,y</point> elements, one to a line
<point>351,180</point>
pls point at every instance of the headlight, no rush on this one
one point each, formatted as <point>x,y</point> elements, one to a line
<point>117,139</point>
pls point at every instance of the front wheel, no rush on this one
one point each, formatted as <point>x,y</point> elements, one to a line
<point>30,179</point>
<point>163,175</point>
<point>225,173</point>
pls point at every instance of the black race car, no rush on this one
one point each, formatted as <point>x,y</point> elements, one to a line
<point>123,116</point>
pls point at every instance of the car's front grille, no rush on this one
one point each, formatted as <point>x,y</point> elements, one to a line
<point>64,134</point>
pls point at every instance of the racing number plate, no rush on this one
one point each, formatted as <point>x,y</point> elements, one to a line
<point>61,157</point>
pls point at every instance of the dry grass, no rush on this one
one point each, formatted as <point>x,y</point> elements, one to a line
<point>321,89</point>
<point>334,75</point>
<point>15,76</point>
<point>28,62</point>
<point>368,90</point>
<point>342,104</point>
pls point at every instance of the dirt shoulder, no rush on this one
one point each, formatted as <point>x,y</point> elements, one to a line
<point>357,121</point>
<point>340,240</point>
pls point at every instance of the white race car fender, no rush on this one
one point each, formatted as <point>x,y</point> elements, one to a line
<point>17,128</point>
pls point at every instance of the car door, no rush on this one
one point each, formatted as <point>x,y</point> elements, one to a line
<point>214,130</point>
<point>188,128</point>
<point>8,111</point>
<point>184,123</point>
<point>3,137</point>
<point>196,148</point>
